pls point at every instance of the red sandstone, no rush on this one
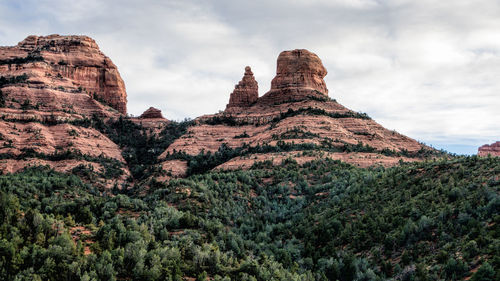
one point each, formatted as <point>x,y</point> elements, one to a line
<point>490,149</point>
<point>246,92</point>
<point>151,113</point>
<point>71,68</point>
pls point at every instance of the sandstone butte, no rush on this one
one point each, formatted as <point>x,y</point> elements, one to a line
<point>490,149</point>
<point>55,80</point>
<point>295,110</point>
<point>48,82</point>
<point>62,73</point>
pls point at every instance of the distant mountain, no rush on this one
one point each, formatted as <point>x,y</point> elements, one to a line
<point>489,149</point>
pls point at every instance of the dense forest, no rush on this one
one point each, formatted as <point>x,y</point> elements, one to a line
<point>324,220</point>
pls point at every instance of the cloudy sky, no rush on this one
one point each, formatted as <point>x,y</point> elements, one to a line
<point>428,69</point>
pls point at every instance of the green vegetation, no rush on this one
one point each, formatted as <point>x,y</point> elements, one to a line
<point>205,161</point>
<point>295,133</point>
<point>13,80</point>
<point>32,57</point>
<point>27,105</point>
<point>319,111</point>
<point>112,167</point>
<point>324,220</point>
<point>140,147</point>
<point>244,135</point>
<point>231,121</point>
<point>2,99</point>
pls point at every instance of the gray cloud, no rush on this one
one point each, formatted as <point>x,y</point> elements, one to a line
<point>424,68</point>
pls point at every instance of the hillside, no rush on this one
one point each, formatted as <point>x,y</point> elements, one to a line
<point>323,220</point>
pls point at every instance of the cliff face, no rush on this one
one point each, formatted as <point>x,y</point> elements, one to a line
<point>490,149</point>
<point>57,72</point>
<point>299,75</point>
<point>49,87</point>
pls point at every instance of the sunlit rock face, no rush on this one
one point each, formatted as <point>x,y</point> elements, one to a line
<point>299,75</point>
<point>68,70</point>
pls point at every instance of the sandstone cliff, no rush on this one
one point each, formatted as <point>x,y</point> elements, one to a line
<point>53,88</point>
<point>489,149</point>
<point>299,75</point>
<point>61,73</point>
<point>50,87</point>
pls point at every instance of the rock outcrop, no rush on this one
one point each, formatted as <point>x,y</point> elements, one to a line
<point>52,86</point>
<point>490,149</point>
<point>246,92</point>
<point>61,72</point>
<point>151,113</point>
<point>299,75</point>
<point>297,113</point>
<point>50,89</point>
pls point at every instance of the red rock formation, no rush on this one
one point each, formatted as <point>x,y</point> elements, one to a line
<point>296,110</point>
<point>489,149</point>
<point>246,92</point>
<point>151,113</point>
<point>299,75</point>
<point>62,66</point>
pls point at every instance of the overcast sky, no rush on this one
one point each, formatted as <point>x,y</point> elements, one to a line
<point>428,69</point>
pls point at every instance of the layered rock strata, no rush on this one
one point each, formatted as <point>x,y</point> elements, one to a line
<point>51,87</point>
<point>61,73</point>
<point>245,93</point>
<point>490,149</point>
<point>296,111</point>
<point>151,113</point>
<point>299,75</point>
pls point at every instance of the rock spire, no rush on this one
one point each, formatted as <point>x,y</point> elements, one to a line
<point>246,92</point>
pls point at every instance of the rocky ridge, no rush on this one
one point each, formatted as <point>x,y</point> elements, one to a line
<point>490,149</point>
<point>296,112</point>
<point>59,92</point>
